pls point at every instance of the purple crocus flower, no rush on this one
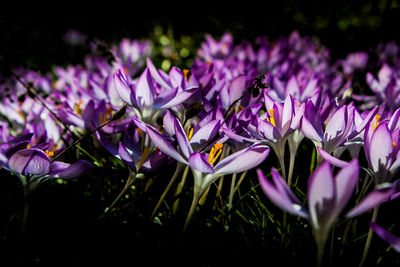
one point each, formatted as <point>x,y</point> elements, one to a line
<point>153,91</point>
<point>340,128</point>
<point>327,196</point>
<point>382,150</point>
<point>19,157</point>
<point>204,166</point>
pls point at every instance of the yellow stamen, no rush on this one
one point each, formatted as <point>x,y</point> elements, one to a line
<point>139,130</point>
<point>394,144</point>
<point>106,115</point>
<point>240,108</point>
<point>271,119</point>
<point>146,153</point>
<point>20,112</point>
<point>326,124</point>
<point>49,153</point>
<point>189,132</point>
<point>215,153</point>
<point>28,146</point>
<point>186,73</point>
<point>78,109</point>
<point>376,123</point>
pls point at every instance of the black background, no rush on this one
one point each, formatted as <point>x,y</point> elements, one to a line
<point>34,36</point>
<point>65,230</point>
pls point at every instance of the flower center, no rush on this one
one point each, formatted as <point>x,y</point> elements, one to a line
<point>49,153</point>
<point>215,152</point>
<point>186,73</point>
<point>376,122</point>
<point>103,119</point>
<point>271,118</point>
<point>145,155</point>
<point>78,109</point>
<point>189,132</point>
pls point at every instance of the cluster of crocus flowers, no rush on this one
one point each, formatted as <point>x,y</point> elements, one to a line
<point>220,116</point>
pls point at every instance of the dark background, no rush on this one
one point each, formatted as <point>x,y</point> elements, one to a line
<point>33,37</point>
<point>65,229</point>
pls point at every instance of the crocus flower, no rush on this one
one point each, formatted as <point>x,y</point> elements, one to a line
<point>327,196</point>
<point>341,128</point>
<point>381,150</point>
<point>204,166</point>
<point>147,97</point>
<point>34,163</point>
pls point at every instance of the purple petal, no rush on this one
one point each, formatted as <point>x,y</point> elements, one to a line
<point>331,159</point>
<point>180,97</point>
<point>163,144</point>
<point>64,171</point>
<point>309,131</point>
<point>346,180</point>
<point>199,162</point>
<point>280,194</point>
<point>126,156</point>
<point>182,139</point>
<point>381,148</point>
<point>373,199</point>
<point>30,161</point>
<point>393,240</point>
<point>205,133</point>
<point>169,123</point>
<point>243,160</point>
<point>122,87</point>
<point>321,196</point>
<point>144,92</point>
<point>156,75</point>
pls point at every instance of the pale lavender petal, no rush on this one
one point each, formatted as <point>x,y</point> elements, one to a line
<point>205,133</point>
<point>30,161</point>
<point>336,124</point>
<point>393,240</point>
<point>287,114</point>
<point>243,160</point>
<point>346,180</point>
<point>180,97</point>
<point>199,162</point>
<point>280,197</point>
<point>182,139</point>
<point>331,159</point>
<point>309,131</point>
<point>156,75</point>
<point>381,148</point>
<point>163,144</point>
<point>321,196</point>
<point>122,87</point>
<point>126,156</point>
<point>144,93</point>
<point>169,123</point>
<point>373,199</point>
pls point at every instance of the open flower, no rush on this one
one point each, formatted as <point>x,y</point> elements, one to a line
<point>206,167</point>
<point>19,157</point>
<point>327,196</point>
<point>153,90</point>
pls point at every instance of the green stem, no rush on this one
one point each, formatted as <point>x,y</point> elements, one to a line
<point>178,169</point>
<point>291,166</point>
<point>196,197</point>
<point>129,183</point>
<point>26,204</point>
<point>369,237</point>
<point>232,192</point>
<point>175,205</point>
